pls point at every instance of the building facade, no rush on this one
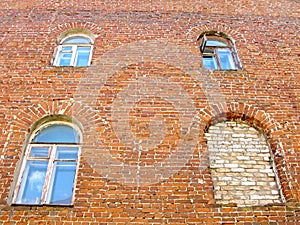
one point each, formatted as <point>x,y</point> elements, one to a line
<point>160,112</point>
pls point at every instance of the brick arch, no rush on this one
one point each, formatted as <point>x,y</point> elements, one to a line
<point>196,30</point>
<point>92,27</point>
<point>241,111</point>
<point>274,132</point>
<point>24,121</point>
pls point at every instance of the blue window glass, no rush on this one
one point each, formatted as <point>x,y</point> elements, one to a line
<point>57,134</point>
<point>226,59</point>
<point>216,43</point>
<point>65,56</point>
<point>210,62</point>
<point>64,59</point>
<point>77,40</point>
<point>62,183</point>
<point>32,185</point>
<point>83,56</point>
<point>39,152</point>
<point>66,153</point>
<point>74,51</point>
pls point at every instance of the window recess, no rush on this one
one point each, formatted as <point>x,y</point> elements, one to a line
<point>218,53</point>
<point>74,51</point>
<point>48,173</point>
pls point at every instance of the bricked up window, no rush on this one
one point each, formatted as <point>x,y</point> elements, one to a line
<point>218,53</point>
<point>74,51</point>
<point>49,167</point>
<point>241,165</point>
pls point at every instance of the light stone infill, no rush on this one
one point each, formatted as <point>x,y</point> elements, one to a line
<point>240,165</point>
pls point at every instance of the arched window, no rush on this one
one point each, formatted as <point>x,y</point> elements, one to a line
<point>49,166</point>
<point>75,50</point>
<point>218,52</point>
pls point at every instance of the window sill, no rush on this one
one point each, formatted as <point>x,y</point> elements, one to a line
<point>230,71</point>
<point>41,205</point>
<point>52,66</point>
<point>71,66</point>
<point>224,74</point>
<point>66,68</point>
<point>225,70</point>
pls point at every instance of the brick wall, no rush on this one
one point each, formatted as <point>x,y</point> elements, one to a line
<point>146,103</point>
<point>241,165</point>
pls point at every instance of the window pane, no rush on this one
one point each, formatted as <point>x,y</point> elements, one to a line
<point>67,153</point>
<point>66,49</point>
<point>62,182</point>
<point>83,54</point>
<point>57,133</point>
<point>64,59</point>
<point>39,152</point>
<point>77,40</point>
<point>32,183</point>
<point>226,59</point>
<point>215,43</point>
<point>209,62</point>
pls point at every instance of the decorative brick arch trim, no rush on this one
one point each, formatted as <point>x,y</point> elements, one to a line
<point>261,120</point>
<point>195,31</point>
<point>244,112</point>
<point>92,27</point>
<point>26,118</point>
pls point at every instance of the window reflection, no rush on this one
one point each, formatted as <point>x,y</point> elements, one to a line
<point>62,182</point>
<point>33,182</point>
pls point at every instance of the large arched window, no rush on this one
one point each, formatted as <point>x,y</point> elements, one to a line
<point>218,52</point>
<point>49,166</point>
<point>75,50</point>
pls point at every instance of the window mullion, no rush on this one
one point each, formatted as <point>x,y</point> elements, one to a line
<point>76,173</point>
<point>58,51</point>
<point>218,58</point>
<point>45,193</point>
<point>90,55</point>
<point>234,57</point>
<point>74,55</point>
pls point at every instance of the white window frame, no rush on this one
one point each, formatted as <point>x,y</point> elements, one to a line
<point>74,47</point>
<point>47,188</point>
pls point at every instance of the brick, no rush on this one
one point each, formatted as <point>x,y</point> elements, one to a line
<point>145,94</point>
<point>249,167</point>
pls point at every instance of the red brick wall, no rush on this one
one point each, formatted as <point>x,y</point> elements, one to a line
<point>146,102</point>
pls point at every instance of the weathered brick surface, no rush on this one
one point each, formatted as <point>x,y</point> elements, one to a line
<point>146,98</point>
<point>241,165</point>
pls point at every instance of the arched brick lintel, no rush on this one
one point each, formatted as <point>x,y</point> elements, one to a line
<point>75,25</point>
<point>25,120</point>
<point>243,112</point>
<point>262,121</point>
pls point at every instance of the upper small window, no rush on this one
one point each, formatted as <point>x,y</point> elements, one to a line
<point>74,51</point>
<point>49,167</point>
<point>218,53</point>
